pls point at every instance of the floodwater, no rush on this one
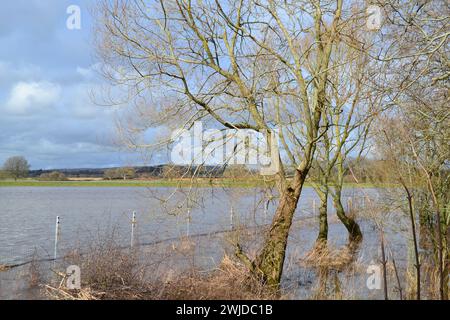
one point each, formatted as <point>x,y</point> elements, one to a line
<point>28,215</point>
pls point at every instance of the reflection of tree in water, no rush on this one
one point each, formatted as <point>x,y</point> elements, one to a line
<point>328,285</point>
<point>328,265</point>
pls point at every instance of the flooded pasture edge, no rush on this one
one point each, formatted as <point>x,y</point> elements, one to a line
<point>209,223</point>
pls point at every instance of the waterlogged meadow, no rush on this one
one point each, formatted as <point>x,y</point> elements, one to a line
<point>258,115</point>
<point>171,241</point>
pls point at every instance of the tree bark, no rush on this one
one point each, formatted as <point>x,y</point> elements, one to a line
<point>384,262</point>
<point>354,231</point>
<point>413,231</point>
<point>323,219</point>
<point>270,261</point>
<point>447,266</point>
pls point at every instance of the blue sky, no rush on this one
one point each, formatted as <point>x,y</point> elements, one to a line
<point>47,77</point>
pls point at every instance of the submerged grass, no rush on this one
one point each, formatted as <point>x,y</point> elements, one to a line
<point>111,273</point>
<point>322,256</point>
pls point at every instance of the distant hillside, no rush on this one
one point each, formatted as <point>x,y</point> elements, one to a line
<point>142,171</point>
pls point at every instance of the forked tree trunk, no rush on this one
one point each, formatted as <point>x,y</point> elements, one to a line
<point>354,231</point>
<point>270,261</point>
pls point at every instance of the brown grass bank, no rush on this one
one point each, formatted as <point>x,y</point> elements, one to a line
<point>111,273</point>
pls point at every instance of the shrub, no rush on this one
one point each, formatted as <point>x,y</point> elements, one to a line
<point>53,176</point>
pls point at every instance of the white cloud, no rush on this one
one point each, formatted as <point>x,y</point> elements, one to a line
<point>12,73</point>
<point>26,97</point>
<point>85,72</point>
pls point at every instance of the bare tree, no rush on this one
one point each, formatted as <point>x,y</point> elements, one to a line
<point>120,173</point>
<point>395,152</point>
<point>416,87</point>
<point>110,174</point>
<point>255,65</point>
<point>16,167</point>
<point>353,106</point>
<point>172,172</point>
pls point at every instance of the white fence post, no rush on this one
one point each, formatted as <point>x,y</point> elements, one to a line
<point>188,224</point>
<point>133,226</point>
<point>55,254</point>
<point>232,218</point>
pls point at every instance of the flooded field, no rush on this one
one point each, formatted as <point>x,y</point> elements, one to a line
<point>27,231</point>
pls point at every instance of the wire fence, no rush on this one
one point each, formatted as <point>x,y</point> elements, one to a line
<point>53,247</point>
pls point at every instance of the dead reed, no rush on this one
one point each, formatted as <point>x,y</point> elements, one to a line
<point>111,273</point>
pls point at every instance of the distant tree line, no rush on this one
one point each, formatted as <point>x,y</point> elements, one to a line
<point>53,176</point>
<point>366,169</point>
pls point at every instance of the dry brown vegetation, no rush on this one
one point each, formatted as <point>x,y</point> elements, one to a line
<point>229,281</point>
<point>3,268</point>
<point>323,256</point>
<point>112,273</point>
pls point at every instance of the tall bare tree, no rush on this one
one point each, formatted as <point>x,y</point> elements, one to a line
<point>352,108</point>
<point>415,46</point>
<point>234,64</point>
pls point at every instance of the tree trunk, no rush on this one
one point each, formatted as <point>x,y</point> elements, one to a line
<point>354,231</point>
<point>323,219</point>
<point>270,261</point>
<point>425,220</point>
<point>446,262</point>
<point>447,269</point>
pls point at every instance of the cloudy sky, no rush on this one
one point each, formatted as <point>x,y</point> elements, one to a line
<point>47,74</point>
